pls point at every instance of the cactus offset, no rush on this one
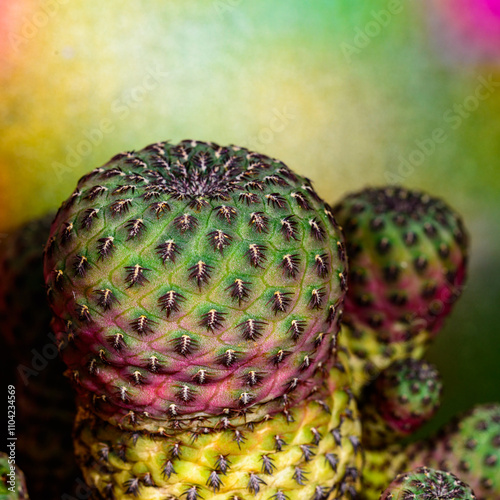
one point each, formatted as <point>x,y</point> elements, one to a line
<point>427,484</point>
<point>468,447</point>
<point>402,399</point>
<point>407,263</point>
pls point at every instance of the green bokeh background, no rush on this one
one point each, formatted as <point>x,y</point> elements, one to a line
<point>81,81</point>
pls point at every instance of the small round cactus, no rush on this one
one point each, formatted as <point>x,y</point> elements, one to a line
<point>470,446</point>
<point>427,484</point>
<point>407,265</point>
<point>402,399</point>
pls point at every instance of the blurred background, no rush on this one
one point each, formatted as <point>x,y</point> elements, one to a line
<point>346,93</point>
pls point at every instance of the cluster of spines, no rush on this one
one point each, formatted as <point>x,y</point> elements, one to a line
<point>223,463</point>
<point>404,206</point>
<point>170,301</point>
<point>200,272</point>
<point>428,484</point>
<point>188,222</point>
<point>251,329</point>
<point>187,392</point>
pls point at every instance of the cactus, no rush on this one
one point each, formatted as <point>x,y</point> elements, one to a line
<point>401,400</point>
<point>197,293</point>
<point>193,279</point>
<point>407,265</point>
<point>427,484</point>
<point>311,453</point>
<point>469,447</point>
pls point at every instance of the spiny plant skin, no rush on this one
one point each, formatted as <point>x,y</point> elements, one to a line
<point>369,356</point>
<point>407,264</point>
<point>404,397</point>
<point>45,408</point>
<point>468,447</point>
<point>12,481</point>
<point>408,260</point>
<point>380,466</point>
<point>194,280</point>
<point>427,484</point>
<point>313,455</point>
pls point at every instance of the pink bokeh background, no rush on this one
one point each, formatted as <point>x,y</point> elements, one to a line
<point>467,30</point>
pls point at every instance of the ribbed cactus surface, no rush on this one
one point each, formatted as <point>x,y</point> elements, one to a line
<point>194,280</point>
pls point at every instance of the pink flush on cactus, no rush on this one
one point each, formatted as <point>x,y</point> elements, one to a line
<point>468,29</point>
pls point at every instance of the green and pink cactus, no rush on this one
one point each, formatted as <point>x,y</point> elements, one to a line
<point>407,265</point>
<point>427,484</point>
<point>197,293</point>
<point>469,447</point>
<point>194,279</point>
<point>404,397</point>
